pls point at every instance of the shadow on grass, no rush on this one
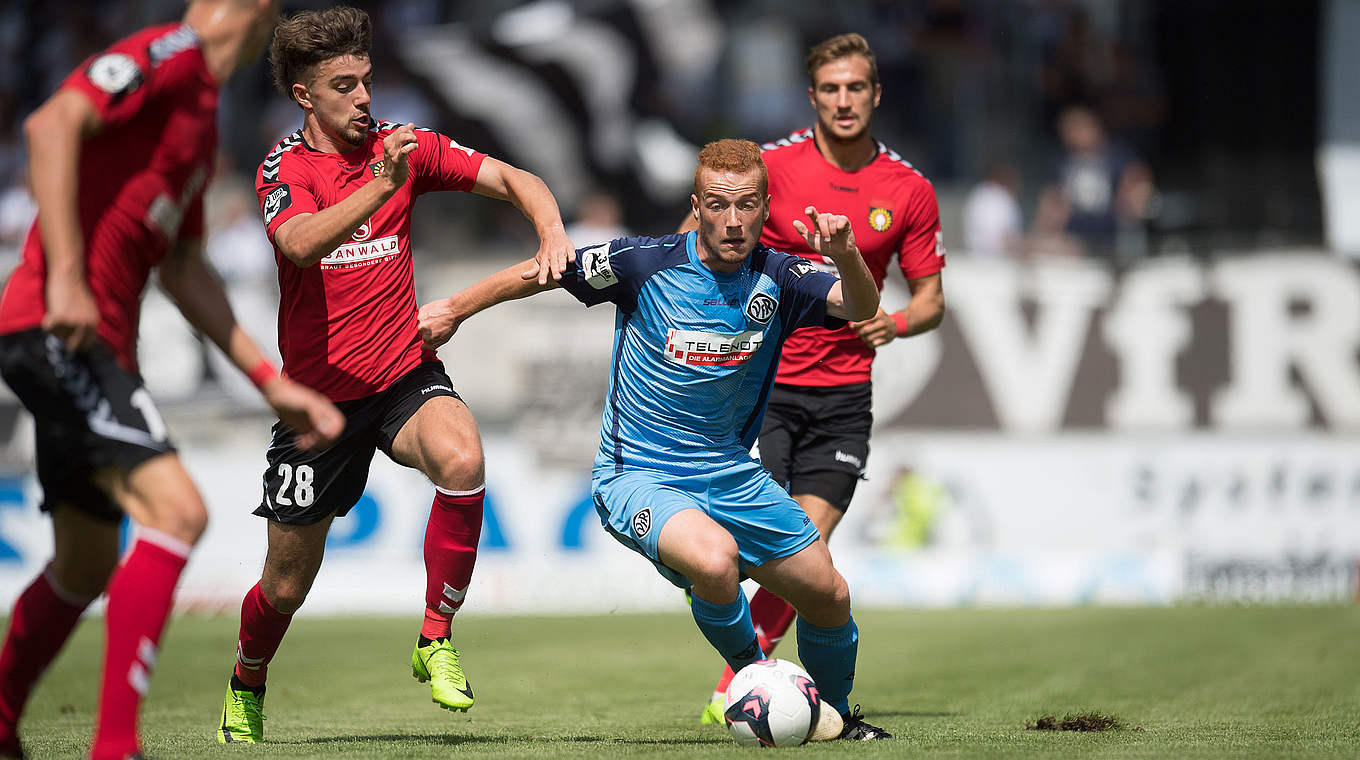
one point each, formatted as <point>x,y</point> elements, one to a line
<point>451,740</point>
<point>910,714</point>
<point>420,738</point>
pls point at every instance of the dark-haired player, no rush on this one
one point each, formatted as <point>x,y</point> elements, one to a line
<point>336,197</point>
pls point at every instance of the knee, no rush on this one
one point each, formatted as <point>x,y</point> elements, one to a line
<point>457,468</point>
<point>838,598</point>
<point>84,576</point>
<point>827,604</point>
<point>286,592</point>
<point>286,583</point>
<point>715,565</point>
<point>185,519</point>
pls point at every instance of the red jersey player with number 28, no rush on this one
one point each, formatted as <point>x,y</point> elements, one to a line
<point>815,437</point>
<point>336,197</point>
<point>118,158</point>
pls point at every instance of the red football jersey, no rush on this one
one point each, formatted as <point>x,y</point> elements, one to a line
<point>141,178</point>
<point>892,212</point>
<point>347,325</point>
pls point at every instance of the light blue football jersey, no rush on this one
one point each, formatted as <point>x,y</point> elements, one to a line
<point>695,351</point>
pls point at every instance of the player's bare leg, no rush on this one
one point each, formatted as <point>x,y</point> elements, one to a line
<point>828,639</point>
<point>290,567</point>
<point>441,440</point>
<point>810,582</point>
<point>292,561</point>
<point>86,550</point>
<point>692,544</point>
<point>160,497</point>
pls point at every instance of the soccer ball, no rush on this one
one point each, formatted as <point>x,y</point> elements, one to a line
<point>772,703</point>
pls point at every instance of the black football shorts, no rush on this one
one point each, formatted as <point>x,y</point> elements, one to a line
<point>89,414</point>
<point>303,487</point>
<point>816,440</point>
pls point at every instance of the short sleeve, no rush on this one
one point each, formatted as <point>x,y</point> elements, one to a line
<point>803,290</point>
<point>284,191</point>
<point>611,271</point>
<point>440,163</point>
<point>922,250</point>
<point>116,81</point>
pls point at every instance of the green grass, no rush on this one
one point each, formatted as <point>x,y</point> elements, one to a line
<point>1184,682</point>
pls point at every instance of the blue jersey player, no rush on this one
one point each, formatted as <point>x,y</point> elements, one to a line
<point>701,318</point>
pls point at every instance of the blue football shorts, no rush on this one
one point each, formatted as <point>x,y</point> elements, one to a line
<point>766,522</point>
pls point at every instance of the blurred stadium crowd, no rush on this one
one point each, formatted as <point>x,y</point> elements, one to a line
<point>1112,129</point>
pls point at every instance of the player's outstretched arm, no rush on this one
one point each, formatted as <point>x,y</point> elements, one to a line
<point>529,194</point>
<point>193,285</point>
<point>439,320</point>
<point>855,297</point>
<point>308,238</point>
<point>55,132</point>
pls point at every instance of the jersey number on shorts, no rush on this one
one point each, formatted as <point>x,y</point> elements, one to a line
<point>302,492</point>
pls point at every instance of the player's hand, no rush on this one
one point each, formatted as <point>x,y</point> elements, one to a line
<point>396,147</point>
<point>878,331</point>
<point>72,315</point>
<point>555,251</point>
<point>827,234</point>
<point>314,420</point>
<point>438,322</point>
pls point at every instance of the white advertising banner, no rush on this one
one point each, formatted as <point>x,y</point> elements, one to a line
<point>943,519</point>
<point>954,518</point>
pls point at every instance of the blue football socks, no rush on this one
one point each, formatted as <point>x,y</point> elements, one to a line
<point>728,628</point>
<point>829,656</point>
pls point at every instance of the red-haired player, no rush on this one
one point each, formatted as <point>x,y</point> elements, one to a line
<point>815,438</point>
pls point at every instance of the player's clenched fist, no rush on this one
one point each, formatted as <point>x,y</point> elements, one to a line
<point>396,146</point>
<point>313,418</point>
<point>827,234</point>
<point>438,323</point>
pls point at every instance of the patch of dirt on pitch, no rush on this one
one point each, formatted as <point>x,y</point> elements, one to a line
<point>1078,722</point>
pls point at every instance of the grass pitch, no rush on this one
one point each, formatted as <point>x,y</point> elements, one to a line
<point>1184,682</point>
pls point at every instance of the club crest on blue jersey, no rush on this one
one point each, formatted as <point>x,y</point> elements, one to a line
<point>761,308</point>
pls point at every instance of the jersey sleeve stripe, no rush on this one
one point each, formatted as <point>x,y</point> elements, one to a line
<point>269,169</point>
<point>174,41</point>
<point>793,138</point>
<point>895,156</point>
<point>388,126</point>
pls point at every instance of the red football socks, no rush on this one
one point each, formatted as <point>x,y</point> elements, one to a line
<point>450,553</point>
<point>262,629</point>
<point>43,618</point>
<point>772,617</point>
<point>139,598</point>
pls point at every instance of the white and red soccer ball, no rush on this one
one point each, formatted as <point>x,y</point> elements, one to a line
<point>772,703</point>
